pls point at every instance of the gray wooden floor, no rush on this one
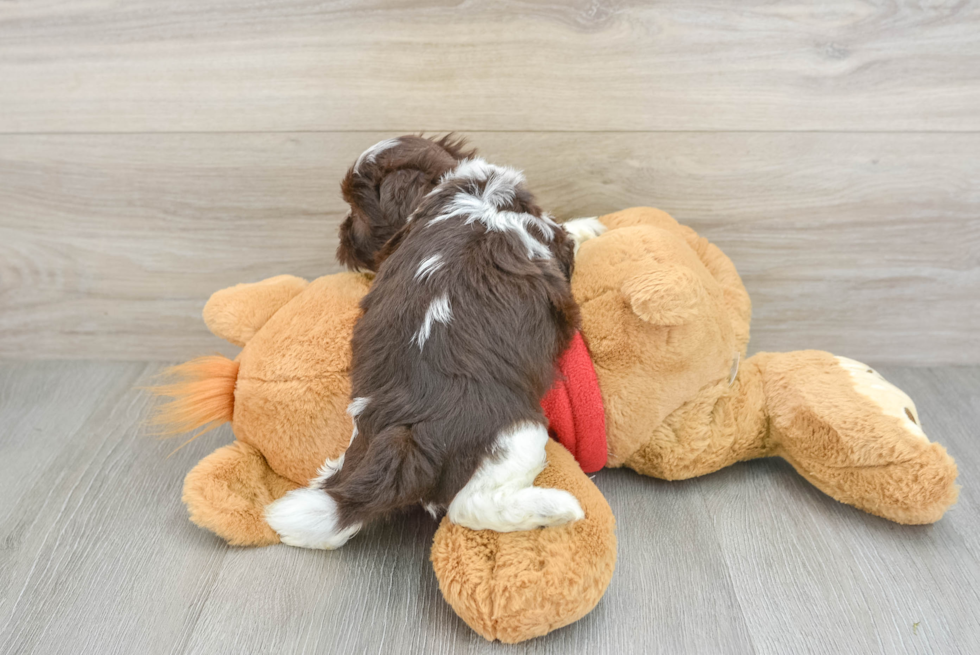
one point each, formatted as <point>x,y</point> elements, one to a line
<point>97,555</point>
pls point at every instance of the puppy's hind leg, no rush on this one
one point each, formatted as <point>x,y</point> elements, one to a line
<point>381,475</point>
<point>309,517</point>
<point>501,495</point>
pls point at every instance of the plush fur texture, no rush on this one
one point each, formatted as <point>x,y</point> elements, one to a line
<point>519,585</point>
<point>201,396</point>
<point>385,185</point>
<point>671,412</point>
<point>236,317</point>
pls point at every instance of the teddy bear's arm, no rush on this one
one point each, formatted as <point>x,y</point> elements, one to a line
<point>855,436</point>
<point>846,429</point>
<point>227,493</point>
<point>235,314</point>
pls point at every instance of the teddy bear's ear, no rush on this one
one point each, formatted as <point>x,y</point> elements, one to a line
<point>666,294</point>
<point>235,314</point>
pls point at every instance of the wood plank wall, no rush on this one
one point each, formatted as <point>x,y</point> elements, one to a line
<point>151,153</point>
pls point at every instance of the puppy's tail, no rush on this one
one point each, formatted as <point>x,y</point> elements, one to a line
<point>202,396</point>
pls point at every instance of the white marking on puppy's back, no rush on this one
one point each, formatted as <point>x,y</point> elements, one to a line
<point>499,189</point>
<point>372,153</point>
<point>428,266</point>
<point>517,223</point>
<point>478,169</point>
<point>357,406</point>
<point>439,311</point>
<point>501,494</point>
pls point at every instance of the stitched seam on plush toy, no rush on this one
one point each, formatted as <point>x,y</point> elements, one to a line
<point>767,445</point>
<point>672,429</point>
<point>495,593</point>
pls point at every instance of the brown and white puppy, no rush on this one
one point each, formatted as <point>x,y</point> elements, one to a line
<point>385,185</point>
<point>454,351</point>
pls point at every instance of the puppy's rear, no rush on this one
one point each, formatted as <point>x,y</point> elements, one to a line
<point>451,358</point>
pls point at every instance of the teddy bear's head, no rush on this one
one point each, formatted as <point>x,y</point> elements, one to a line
<point>664,314</point>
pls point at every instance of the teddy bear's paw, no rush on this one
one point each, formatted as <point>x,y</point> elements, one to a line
<point>307,518</point>
<point>523,509</point>
<point>892,400</point>
<point>583,229</point>
<point>514,586</point>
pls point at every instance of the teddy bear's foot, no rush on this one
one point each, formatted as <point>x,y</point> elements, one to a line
<point>227,493</point>
<point>517,585</point>
<point>856,437</point>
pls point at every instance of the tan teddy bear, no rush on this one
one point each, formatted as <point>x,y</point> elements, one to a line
<point>665,318</point>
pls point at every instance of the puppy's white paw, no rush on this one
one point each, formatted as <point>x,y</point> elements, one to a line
<point>307,518</point>
<point>583,229</point>
<point>551,507</point>
<point>524,509</point>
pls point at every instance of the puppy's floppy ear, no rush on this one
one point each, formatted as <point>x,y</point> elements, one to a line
<point>665,294</point>
<point>385,186</point>
<point>359,241</point>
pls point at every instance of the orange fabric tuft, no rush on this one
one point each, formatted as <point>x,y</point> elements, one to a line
<point>202,397</point>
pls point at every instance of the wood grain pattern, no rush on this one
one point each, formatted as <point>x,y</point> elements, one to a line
<point>97,555</point>
<point>216,65</point>
<point>867,245</point>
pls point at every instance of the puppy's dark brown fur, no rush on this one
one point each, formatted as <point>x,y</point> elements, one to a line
<point>434,407</point>
<point>384,187</point>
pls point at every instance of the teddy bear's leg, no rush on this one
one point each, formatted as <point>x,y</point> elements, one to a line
<point>856,437</point>
<point>227,493</point>
<point>726,423</point>
<point>235,314</point>
<point>513,586</point>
